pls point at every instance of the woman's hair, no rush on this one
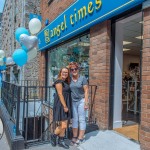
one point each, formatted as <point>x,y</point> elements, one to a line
<point>73,64</point>
<point>59,75</point>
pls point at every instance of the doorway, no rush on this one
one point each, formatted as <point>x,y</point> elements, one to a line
<point>127,103</point>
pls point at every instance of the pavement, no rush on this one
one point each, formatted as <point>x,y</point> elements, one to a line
<point>97,140</point>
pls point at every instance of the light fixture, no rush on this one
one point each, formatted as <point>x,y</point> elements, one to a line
<point>141,22</point>
<point>126,49</point>
<point>126,42</point>
<point>139,37</point>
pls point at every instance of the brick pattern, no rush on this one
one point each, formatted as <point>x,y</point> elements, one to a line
<point>54,9</point>
<point>50,12</point>
<point>145,98</point>
<point>99,70</point>
<point>42,66</point>
<point>7,35</point>
<point>0,30</point>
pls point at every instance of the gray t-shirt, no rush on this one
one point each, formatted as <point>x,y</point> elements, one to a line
<point>77,91</point>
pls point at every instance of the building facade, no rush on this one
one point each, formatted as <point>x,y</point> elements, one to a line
<point>112,48</point>
<point>16,14</point>
<point>0,30</point>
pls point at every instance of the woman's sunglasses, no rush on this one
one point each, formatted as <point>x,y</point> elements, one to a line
<point>75,69</point>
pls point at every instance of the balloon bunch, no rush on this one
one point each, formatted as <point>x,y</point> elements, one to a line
<point>2,60</point>
<point>27,42</point>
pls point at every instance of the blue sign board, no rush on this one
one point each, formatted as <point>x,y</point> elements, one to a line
<point>31,16</point>
<point>79,17</point>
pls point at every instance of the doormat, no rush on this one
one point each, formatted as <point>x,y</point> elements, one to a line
<point>129,131</point>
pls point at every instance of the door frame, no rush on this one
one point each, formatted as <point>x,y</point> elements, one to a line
<point>112,60</point>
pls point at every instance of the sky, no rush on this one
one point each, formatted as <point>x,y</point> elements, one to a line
<point>1,5</point>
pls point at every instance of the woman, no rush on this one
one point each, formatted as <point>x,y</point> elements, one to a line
<point>79,95</point>
<point>62,107</point>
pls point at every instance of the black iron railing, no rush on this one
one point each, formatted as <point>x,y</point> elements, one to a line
<point>30,103</point>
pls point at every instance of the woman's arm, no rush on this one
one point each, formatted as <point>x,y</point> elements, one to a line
<point>86,94</point>
<point>59,89</point>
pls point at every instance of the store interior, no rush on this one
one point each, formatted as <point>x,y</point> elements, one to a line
<point>131,55</point>
<point>76,50</point>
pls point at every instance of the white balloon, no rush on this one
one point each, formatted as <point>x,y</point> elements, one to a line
<point>32,54</point>
<point>9,61</point>
<point>1,62</point>
<point>35,25</point>
<point>2,54</point>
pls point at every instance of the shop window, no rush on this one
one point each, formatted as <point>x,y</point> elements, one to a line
<point>76,50</point>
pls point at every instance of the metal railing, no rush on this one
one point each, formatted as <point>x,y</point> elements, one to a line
<point>30,106</point>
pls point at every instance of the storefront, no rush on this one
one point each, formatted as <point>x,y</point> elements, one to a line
<point>108,43</point>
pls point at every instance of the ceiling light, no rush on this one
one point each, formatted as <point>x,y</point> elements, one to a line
<point>126,42</point>
<point>125,49</point>
<point>139,37</point>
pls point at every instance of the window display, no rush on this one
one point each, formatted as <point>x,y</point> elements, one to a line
<point>76,50</point>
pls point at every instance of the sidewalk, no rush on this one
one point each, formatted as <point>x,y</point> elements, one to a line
<point>108,140</point>
<point>98,140</point>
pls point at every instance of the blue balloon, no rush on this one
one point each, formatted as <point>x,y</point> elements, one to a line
<point>20,57</point>
<point>20,31</point>
<point>2,68</point>
<point>24,48</point>
<point>4,59</point>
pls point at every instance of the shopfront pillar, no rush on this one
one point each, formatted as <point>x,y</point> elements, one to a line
<point>99,70</point>
<point>145,93</point>
<point>42,66</point>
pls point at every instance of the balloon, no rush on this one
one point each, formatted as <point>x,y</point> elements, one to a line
<point>2,54</point>
<point>28,41</point>
<point>4,59</point>
<point>24,48</point>
<point>35,25</point>
<point>9,61</point>
<point>3,67</point>
<point>32,54</point>
<point>1,62</point>
<point>20,57</point>
<point>20,31</point>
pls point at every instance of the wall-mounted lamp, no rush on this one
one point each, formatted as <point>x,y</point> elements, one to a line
<point>46,22</point>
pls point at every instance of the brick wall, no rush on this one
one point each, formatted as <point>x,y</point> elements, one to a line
<point>145,98</point>
<point>42,66</point>
<point>7,26</point>
<point>99,70</point>
<point>51,12</point>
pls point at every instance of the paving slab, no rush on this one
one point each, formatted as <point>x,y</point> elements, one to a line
<point>3,143</point>
<point>108,140</point>
<point>97,140</point>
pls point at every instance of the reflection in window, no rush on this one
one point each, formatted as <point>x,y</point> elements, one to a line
<point>76,50</point>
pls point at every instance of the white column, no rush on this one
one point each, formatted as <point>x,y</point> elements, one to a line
<point>117,114</point>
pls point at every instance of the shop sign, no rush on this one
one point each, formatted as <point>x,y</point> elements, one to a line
<point>79,17</point>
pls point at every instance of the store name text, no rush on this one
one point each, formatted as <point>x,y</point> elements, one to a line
<point>79,15</point>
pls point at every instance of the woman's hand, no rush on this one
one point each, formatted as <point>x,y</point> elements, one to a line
<point>86,105</point>
<point>65,109</point>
